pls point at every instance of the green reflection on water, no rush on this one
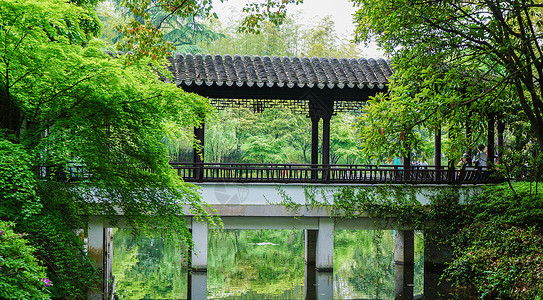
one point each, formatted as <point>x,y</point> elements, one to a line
<point>259,264</point>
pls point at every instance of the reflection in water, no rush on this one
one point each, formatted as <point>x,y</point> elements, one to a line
<point>259,264</point>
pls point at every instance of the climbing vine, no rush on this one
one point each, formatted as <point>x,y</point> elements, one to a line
<point>494,232</point>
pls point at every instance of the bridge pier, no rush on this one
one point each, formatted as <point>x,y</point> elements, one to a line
<point>324,260</point>
<point>95,252</point>
<point>435,258</point>
<point>197,276</point>
<point>319,260</point>
<point>404,264</point>
<point>254,212</point>
<point>100,252</point>
<point>199,238</point>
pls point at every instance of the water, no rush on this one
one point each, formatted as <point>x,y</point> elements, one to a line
<point>259,264</point>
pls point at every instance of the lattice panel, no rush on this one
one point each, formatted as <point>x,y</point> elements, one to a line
<point>349,106</point>
<point>296,106</point>
<point>259,105</point>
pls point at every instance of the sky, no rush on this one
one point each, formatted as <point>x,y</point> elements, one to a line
<point>341,12</point>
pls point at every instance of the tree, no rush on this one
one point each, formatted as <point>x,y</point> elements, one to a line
<point>76,114</point>
<point>458,60</point>
<point>21,277</point>
<point>182,32</point>
<point>144,37</point>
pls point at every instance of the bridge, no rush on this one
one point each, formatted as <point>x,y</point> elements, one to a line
<point>246,195</point>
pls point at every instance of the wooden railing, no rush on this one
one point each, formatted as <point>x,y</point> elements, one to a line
<point>307,173</point>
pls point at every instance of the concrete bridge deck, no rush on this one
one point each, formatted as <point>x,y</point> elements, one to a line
<point>256,206</point>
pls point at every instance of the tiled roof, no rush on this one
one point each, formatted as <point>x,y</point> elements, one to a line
<point>275,71</point>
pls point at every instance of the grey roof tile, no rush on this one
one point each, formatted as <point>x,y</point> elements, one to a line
<point>265,71</point>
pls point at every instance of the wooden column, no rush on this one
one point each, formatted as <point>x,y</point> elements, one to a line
<point>468,135</point>
<point>198,151</point>
<point>491,143</point>
<point>326,147</point>
<point>437,153</point>
<point>437,147</point>
<point>198,154</point>
<point>326,140</point>
<point>314,145</point>
<point>500,145</point>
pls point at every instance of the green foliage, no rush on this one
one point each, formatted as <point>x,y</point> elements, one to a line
<point>502,206</point>
<point>499,262</point>
<point>70,272</point>
<point>495,235</point>
<point>21,275</point>
<point>457,62</point>
<point>18,199</point>
<point>152,29</point>
<point>288,39</point>
<point>84,133</point>
<point>148,267</point>
<point>268,261</point>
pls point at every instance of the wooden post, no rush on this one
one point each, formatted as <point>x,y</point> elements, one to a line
<point>500,146</point>
<point>326,147</point>
<point>437,153</point>
<point>468,135</point>
<point>314,146</point>
<point>490,147</point>
<point>198,154</point>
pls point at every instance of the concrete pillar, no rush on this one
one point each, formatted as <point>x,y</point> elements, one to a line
<point>108,261</point>
<point>325,286</point>
<point>404,264</point>
<point>435,258</point>
<point>197,273</point>
<point>95,251</point>
<point>310,246</point>
<point>325,245</point>
<point>197,286</point>
<point>199,253</point>
<point>310,259</point>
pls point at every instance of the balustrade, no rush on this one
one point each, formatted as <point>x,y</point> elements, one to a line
<point>310,173</point>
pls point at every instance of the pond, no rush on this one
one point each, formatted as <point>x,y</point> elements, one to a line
<point>259,264</point>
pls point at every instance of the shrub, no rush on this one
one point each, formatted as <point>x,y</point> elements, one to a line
<point>21,276</point>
